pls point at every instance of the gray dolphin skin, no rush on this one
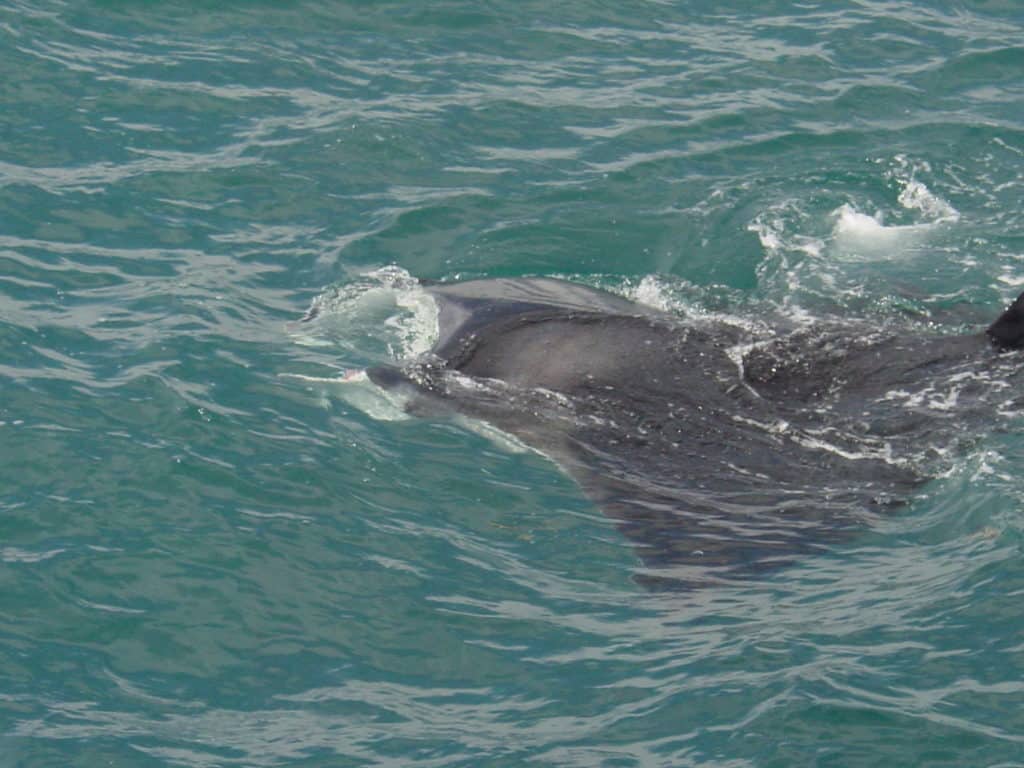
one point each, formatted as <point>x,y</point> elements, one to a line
<point>719,453</point>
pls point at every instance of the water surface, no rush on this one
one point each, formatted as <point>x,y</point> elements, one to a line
<point>209,557</point>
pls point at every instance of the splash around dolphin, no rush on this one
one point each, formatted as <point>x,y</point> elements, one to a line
<point>719,456</point>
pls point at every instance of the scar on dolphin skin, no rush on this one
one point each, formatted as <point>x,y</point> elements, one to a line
<point>719,456</point>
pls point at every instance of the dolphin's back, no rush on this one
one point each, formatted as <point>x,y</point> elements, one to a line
<point>466,308</point>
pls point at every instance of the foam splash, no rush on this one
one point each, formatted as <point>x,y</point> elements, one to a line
<point>685,300</point>
<point>916,196</point>
<point>863,234</point>
<point>854,230</point>
<point>822,250</point>
<point>774,231</point>
<point>383,315</point>
<point>794,244</point>
<point>652,292</point>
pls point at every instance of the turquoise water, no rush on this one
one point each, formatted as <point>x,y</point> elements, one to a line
<point>210,556</point>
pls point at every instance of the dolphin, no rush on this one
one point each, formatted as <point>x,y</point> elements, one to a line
<point>719,452</point>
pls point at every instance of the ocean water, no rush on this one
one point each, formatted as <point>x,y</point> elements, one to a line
<point>217,551</point>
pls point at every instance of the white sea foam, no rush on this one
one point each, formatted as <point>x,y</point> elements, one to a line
<point>867,450</point>
<point>683,300</point>
<point>916,196</point>
<point>651,291</point>
<point>809,253</point>
<point>383,315</point>
<point>944,396</point>
<point>775,233</point>
<point>856,233</point>
<point>868,234</point>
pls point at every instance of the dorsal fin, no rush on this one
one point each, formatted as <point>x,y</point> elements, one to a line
<point>1007,332</point>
